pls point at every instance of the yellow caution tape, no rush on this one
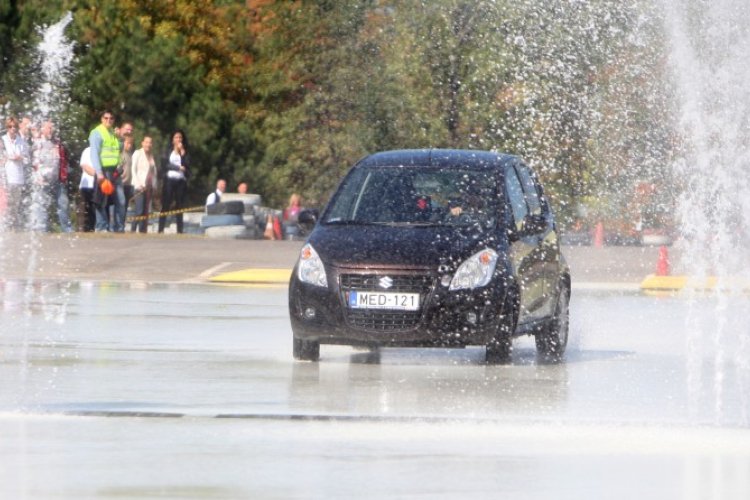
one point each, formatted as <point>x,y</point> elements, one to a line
<point>166,214</point>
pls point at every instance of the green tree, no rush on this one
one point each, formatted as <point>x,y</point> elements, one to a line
<point>162,65</point>
<point>309,78</point>
<point>8,22</point>
<point>287,95</point>
<point>20,32</point>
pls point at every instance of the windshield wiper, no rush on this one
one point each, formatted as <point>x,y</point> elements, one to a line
<point>352,222</point>
<point>414,224</point>
<point>349,222</point>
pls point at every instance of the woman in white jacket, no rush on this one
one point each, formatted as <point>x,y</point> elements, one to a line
<point>17,158</point>
<point>143,179</point>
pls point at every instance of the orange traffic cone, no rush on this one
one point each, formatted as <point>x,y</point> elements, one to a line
<point>662,267</point>
<point>277,228</point>
<point>599,236</point>
<point>268,233</point>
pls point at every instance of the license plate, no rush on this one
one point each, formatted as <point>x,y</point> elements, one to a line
<point>384,300</point>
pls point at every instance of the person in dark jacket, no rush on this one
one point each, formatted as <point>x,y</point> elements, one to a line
<point>175,169</point>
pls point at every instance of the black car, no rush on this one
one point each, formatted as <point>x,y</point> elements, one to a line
<point>432,248</point>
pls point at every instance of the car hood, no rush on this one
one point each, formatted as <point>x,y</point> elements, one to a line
<point>404,247</point>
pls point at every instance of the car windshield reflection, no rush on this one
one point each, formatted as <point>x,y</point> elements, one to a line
<point>416,197</point>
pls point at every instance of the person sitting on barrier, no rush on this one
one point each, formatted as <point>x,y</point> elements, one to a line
<point>215,197</point>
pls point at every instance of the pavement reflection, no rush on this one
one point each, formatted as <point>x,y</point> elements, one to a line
<point>439,384</point>
<point>105,384</point>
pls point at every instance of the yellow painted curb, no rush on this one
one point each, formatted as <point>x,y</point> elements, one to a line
<point>264,276</point>
<point>673,283</point>
<point>653,282</point>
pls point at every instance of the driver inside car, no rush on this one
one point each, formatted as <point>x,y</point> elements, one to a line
<point>469,205</point>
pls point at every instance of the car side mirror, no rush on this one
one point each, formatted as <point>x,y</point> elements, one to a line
<point>307,220</point>
<point>533,224</point>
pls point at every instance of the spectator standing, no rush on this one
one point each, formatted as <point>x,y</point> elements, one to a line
<point>215,197</point>
<point>87,208</point>
<point>25,127</point>
<point>16,161</point>
<point>242,188</point>
<point>49,165</point>
<point>125,189</point>
<point>292,211</point>
<point>143,177</point>
<point>105,156</point>
<point>3,200</point>
<point>29,133</point>
<point>125,131</point>
<point>291,214</point>
<point>175,165</point>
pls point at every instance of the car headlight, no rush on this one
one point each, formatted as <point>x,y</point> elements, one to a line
<point>476,271</point>
<point>310,269</point>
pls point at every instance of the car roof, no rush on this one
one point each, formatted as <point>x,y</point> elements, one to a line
<point>437,158</point>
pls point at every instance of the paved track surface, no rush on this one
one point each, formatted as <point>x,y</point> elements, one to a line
<point>183,258</point>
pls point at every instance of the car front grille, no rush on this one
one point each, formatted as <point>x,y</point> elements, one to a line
<point>384,320</point>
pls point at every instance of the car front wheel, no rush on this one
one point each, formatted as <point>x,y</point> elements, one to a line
<point>306,350</point>
<point>500,349</point>
<point>552,340</point>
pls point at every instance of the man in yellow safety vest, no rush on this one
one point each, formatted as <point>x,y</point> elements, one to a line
<point>105,155</point>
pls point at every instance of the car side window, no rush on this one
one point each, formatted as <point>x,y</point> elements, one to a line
<point>530,192</point>
<point>516,197</point>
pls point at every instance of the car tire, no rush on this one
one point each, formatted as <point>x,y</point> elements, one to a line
<point>221,220</point>
<point>553,339</point>
<point>306,350</point>
<point>500,349</point>
<point>192,229</point>
<point>226,208</point>
<point>192,218</point>
<point>237,232</point>
<point>247,199</point>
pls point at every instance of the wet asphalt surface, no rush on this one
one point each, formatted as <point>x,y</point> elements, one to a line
<point>169,387</point>
<point>186,258</point>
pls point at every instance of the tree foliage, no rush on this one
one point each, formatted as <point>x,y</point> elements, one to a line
<point>286,95</point>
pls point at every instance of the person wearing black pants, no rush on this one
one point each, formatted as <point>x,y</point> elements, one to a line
<point>175,165</point>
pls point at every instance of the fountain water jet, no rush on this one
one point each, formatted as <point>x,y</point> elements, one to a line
<point>56,54</point>
<point>710,72</point>
<point>24,300</point>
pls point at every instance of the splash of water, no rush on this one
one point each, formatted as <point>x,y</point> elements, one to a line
<point>56,55</point>
<point>709,47</point>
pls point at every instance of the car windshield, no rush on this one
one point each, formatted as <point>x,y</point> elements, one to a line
<point>416,196</point>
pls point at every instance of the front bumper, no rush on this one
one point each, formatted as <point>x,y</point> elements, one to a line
<point>445,318</point>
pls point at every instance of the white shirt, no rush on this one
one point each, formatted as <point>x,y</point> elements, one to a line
<point>211,199</point>
<point>175,160</point>
<point>87,180</point>
<point>14,169</point>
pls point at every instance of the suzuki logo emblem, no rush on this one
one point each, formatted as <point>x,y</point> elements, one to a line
<point>386,282</point>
